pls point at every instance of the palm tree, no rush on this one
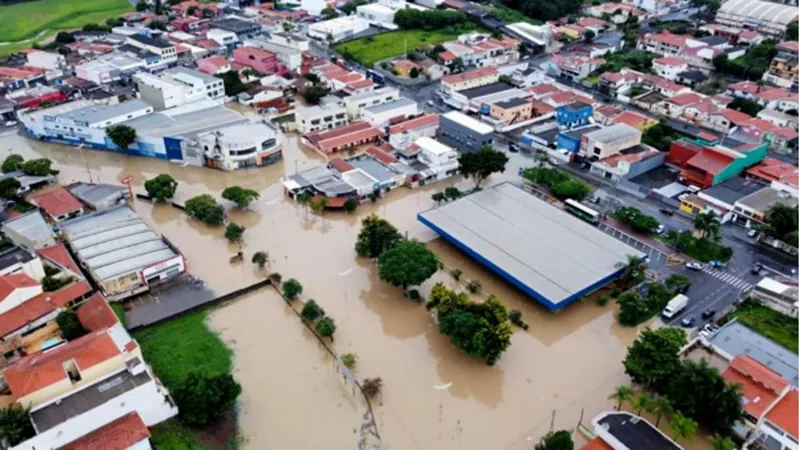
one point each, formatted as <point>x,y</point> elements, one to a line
<point>621,395</point>
<point>663,406</point>
<point>304,199</point>
<point>707,224</point>
<point>643,402</point>
<point>682,426</point>
<point>722,443</point>
<point>633,270</point>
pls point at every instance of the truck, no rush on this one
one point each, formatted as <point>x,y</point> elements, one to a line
<point>675,306</point>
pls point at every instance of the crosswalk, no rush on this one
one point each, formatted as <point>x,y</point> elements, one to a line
<point>729,278</point>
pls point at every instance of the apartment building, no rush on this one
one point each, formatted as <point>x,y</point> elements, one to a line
<point>471,79</point>
<point>669,67</point>
<point>441,159</point>
<point>259,60</point>
<point>161,47</point>
<point>609,141</point>
<point>320,117</point>
<point>177,86</point>
<point>465,132</point>
<point>512,111</point>
<point>782,70</point>
<point>355,103</point>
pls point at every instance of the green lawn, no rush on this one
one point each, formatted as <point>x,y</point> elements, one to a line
<point>509,15</point>
<point>177,347</point>
<point>369,50</point>
<point>120,312</point>
<point>173,435</point>
<point>772,324</point>
<point>24,20</point>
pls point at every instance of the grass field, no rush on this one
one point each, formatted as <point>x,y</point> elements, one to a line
<point>24,20</point>
<point>177,347</point>
<point>174,436</point>
<point>772,324</point>
<point>369,50</point>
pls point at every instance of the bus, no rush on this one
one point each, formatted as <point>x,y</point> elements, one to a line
<point>582,212</point>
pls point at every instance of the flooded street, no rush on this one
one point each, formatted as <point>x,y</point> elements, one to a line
<point>561,369</point>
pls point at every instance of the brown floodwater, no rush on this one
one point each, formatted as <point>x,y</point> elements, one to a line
<point>435,397</point>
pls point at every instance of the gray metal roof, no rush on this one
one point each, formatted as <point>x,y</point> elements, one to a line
<point>733,189</point>
<point>16,255</point>
<point>187,124</point>
<point>194,73</point>
<point>96,193</point>
<point>550,251</point>
<point>373,168</point>
<point>401,102</point>
<point>99,113</point>
<point>31,225</point>
<point>764,199</point>
<point>115,242</point>
<point>736,339</point>
<point>614,133</point>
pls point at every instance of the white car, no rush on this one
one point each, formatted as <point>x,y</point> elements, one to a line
<point>430,103</point>
<point>660,229</point>
<point>11,123</point>
<point>708,330</point>
<point>694,266</point>
<point>752,233</point>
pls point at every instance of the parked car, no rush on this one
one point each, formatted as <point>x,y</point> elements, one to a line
<point>430,103</point>
<point>513,147</point>
<point>708,330</point>
<point>694,266</point>
<point>756,269</point>
<point>666,211</point>
<point>660,229</point>
<point>11,123</point>
<point>687,322</point>
<point>752,233</point>
<point>707,314</point>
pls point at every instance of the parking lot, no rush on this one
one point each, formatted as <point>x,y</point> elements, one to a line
<point>657,256</point>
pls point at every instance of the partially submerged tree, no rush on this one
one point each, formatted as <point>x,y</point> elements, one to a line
<point>121,135</point>
<point>292,288</point>
<point>161,188</point>
<point>239,195</point>
<point>653,358</point>
<point>204,208</point>
<point>376,236</point>
<point>202,398</point>
<point>312,311</point>
<point>480,164</point>
<point>12,162</point>
<point>558,440</point>
<point>408,263</point>
<point>621,395</point>
<point>260,258</point>
<point>326,327</point>
<point>39,167</point>
<point>233,232</point>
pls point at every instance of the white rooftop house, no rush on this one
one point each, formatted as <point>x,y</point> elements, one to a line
<point>338,28</point>
<point>377,15</point>
<point>178,86</point>
<point>441,159</point>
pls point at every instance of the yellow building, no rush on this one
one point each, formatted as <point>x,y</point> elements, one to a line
<point>512,111</point>
<point>403,67</point>
<point>692,204</point>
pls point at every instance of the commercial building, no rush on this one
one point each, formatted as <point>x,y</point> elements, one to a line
<point>767,18</point>
<point>442,160</point>
<point>403,134</point>
<point>177,86</point>
<point>320,117</point>
<point>338,28</point>
<point>161,47</point>
<point>550,255</point>
<point>722,198</point>
<point>706,166</point>
<point>511,111</point>
<point>259,60</point>
<point>29,230</point>
<point>378,15</point>
<point>111,67</point>
<point>609,141</point>
<point>465,132</point>
<point>750,211</point>
<point>355,103</point>
<point>226,38</point>
<point>380,115</point>
<point>290,57</point>
<point>123,254</point>
<point>628,163</point>
<point>472,79</point>
<point>99,196</point>
<point>45,60</point>
<point>342,138</point>
<point>777,296</point>
<point>620,430</point>
<point>574,114</point>
<point>240,146</point>
<point>243,28</point>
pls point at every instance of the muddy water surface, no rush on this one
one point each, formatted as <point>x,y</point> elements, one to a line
<point>560,370</point>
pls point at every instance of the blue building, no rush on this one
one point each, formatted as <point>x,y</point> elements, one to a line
<point>571,140</point>
<point>574,115</point>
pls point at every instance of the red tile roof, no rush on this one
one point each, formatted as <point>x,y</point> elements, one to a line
<point>667,38</point>
<point>631,118</point>
<point>784,414</point>
<point>735,117</point>
<point>426,120</point>
<point>771,169</point>
<point>39,306</point>
<point>784,133</point>
<point>597,444</point>
<point>119,434</point>
<point>668,61</point>
<point>447,55</point>
<point>757,397</point>
<point>759,373</point>
<point>340,165</point>
<point>542,89</point>
<point>381,155</point>
<point>59,254</point>
<point>686,99</point>
<point>471,75</point>
<point>359,84</point>
<point>791,46</point>
<point>95,314</point>
<point>540,109</point>
<point>710,161</point>
<point>57,202</point>
<point>12,282</point>
<point>39,370</point>
<point>340,137</point>
<point>335,202</point>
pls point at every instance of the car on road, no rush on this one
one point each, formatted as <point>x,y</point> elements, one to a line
<point>660,229</point>
<point>694,266</point>
<point>11,123</point>
<point>756,269</point>
<point>430,103</point>
<point>513,147</point>
<point>708,314</point>
<point>666,211</point>
<point>708,330</point>
<point>752,233</point>
<point>687,322</point>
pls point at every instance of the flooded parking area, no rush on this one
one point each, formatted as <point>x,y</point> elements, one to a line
<point>435,397</point>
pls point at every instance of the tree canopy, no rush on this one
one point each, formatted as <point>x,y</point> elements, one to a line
<point>260,258</point>
<point>781,223</point>
<point>376,236</point>
<point>350,7</point>
<point>312,311</point>
<point>15,424</point>
<point>482,163</point>
<point>69,325</point>
<point>409,263</point>
<point>313,94</point>
<point>545,9</point>
<point>12,162</point>
<point>39,167</point>
<point>560,183</point>
<point>325,327</point>
<point>204,208</point>
<point>292,288</point>
<point>744,105</point>
<point>9,188</point>
<point>660,136</point>
<point>121,135</point>
<point>653,357</point>
<point>558,440</point>
<point>428,19</point>
<point>233,232</point>
<point>329,13</point>
<point>203,398</point>
<point>161,188</point>
<point>479,329</point>
<point>233,84</point>
<point>635,219</point>
<point>239,195</point>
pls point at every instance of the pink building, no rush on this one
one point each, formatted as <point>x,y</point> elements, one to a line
<point>257,59</point>
<point>214,65</point>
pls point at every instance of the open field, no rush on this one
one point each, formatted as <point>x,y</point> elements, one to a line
<point>24,20</point>
<point>369,50</point>
<point>772,324</point>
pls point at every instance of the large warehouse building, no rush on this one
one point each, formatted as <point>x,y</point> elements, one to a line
<point>548,254</point>
<point>765,17</point>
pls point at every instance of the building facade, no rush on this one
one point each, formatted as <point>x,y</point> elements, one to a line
<point>465,132</point>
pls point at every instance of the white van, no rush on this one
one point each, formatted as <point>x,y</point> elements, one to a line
<point>675,306</point>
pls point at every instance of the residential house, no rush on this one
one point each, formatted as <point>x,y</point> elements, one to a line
<point>342,138</point>
<point>58,204</point>
<point>441,160</point>
<point>635,120</point>
<point>782,70</point>
<point>511,111</point>
<point>726,120</point>
<point>403,134</point>
<point>574,114</point>
<point>382,115</point>
<point>766,96</point>
<point>706,166</point>
<point>675,106</point>
<point>777,118</point>
<point>628,163</point>
<point>355,103</point>
<point>29,230</point>
<point>404,67</point>
<point>214,65</point>
<point>164,49</point>
<point>777,295</point>
<point>320,117</point>
<point>665,44</point>
<point>750,211</point>
<point>722,198</point>
<point>609,141</point>
<point>259,60</point>
<point>781,175</point>
<point>605,114</point>
<point>669,67</point>
<point>692,78</point>
<point>576,68</point>
<point>613,84</point>
<point>18,260</point>
<point>468,80</point>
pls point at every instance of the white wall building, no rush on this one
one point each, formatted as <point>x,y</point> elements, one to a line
<point>222,37</point>
<point>669,67</point>
<point>442,159</point>
<point>321,117</point>
<point>240,146</point>
<point>354,104</point>
<point>379,115</point>
<point>109,68</point>
<point>177,87</point>
<point>161,47</point>
<point>338,28</point>
<point>377,15</point>
<point>23,289</point>
<point>290,57</point>
<point>289,40</point>
<point>25,261</point>
<point>46,60</point>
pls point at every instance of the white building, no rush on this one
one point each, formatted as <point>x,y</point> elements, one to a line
<point>163,48</point>
<point>441,159</point>
<point>669,67</point>
<point>338,28</point>
<point>46,60</point>
<point>19,260</point>
<point>776,295</point>
<point>290,57</point>
<point>73,120</point>
<point>377,15</point>
<point>288,40</point>
<point>178,86</point>
<point>321,117</point>
<point>240,146</point>
<point>354,104</point>
<point>379,115</point>
<point>223,37</point>
<point>765,17</point>
<point>109,68</point>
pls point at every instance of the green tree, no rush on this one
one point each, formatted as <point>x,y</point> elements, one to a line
<point>559,440</point>
<point>191,10</point>
<point>9,188</point>
<point>781,221</point>
<point>161,188</point>
<point>438,197</point>
<point>724,442</point>
<point>682,426</point>
<point>313,94</point>
<point>413,73</point>
<point>329,13</point>
<point>479,329</point>
<point>588,35</point>
<point>121,135</point>
<point>707,224</point>
<point>326,327</point>
<point>292,288</point>
<point>350,7</point>
<point>635,219</point>
<point>39,167</point>
<point>746,106</point>
<point>643,402</point>
<point>376,236</point>
<point>482,163</point>
<point>791,31</point>
<point>677,282</point>
<point>204,208</point>
<point>312,311</point>
<point>409,263</point>
<point>202,398</point>
<point>233,84</point>
<point>633,309</point>
<point>632,271</point>
<point>621,395</point>
<point>141,6</point>
<point>350,205</point>
<point>12,162</point>
<point>452,193</point>
<point>260,258</point>
<point>662,406</point>
<point>653,358</point>
<point>239,195</point>
<point>65,37</point>
<point>15,424</point>
<point>233,232</point>
<point>71,328</point>
<point>571,188</point>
